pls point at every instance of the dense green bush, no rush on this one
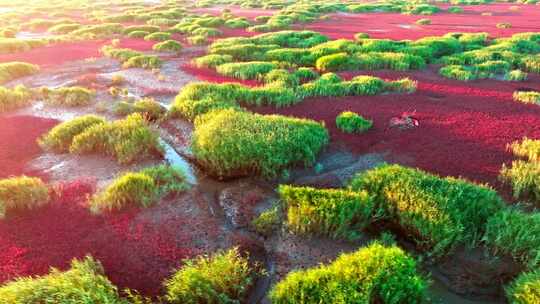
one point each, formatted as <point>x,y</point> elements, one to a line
<point>11,99</point>
<point>120,54</point>
<point>267,222</point>
<point>436,213</point>
<point>143,61</point>
<point>84,282</point>
<point>525,289</point>
<point>69,96</point>
<point>22,193</point>
<point>524,175</point>
<point>60,137</point>
<point>370,275</point>
<point>224,277</point>
<point>514,232</point>
<point>167,46</point>
<point>245,70</point>
<point>231,143</point>
<point>458,72</point>
<point>212,61</point>
<point>126,140</point>
<point>331,212</point>
<point>14,70</point>
<point>350,122</point>
<point>139,189</point>
<point>336,62</point>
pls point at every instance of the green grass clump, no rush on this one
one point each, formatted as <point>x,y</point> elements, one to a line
<point>84,282</point>
<point>138,34</point>
<point>167,46</point>
<point>148,107</point>
<point>140,189</point>
<point>22,193</point>
<point>60,137</point>
<point>458,72</point>
<point>526,148</point>
<point>336,62</point>
<point>360,36</point>
<point>64,28</point>
<point>437,213</point>
<point>13,70</point>
<point>100,30</point>
<point>527,97</point>
<point>11,99</point>
<point>245,70</point>
<point>119,53</point>
<point>126,140</point>
<point>524,175</point>
<point>143,61</point>
<point>267,222</point>
<point>212,60</point>
<point>455,10</point>
<point>69,96</point>
<point>15,45</point>
<point>423,21</point>
<point>141,28</point>
<point>350,122</point>
<point>525,289</point>
<point>372,274</point>
<point>158,36</point>
<point>231,143</point>
<point>515,75</point>
<point>197,40</point>
<point>223,277</point>
<point>334,213</point>
<point>515,232</point>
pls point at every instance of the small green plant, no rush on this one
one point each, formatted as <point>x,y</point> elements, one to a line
<point>59,139</point>
<point>22,193</point>
<point>245,70</point>
<point>224,277</point>
<point>268,221</point>
<point>84,282</point>
<point>423,21</point>
<point>336,62</point>
<point>455,10</point>
<point>167,46</point>
<point>11,99</point>
<point>371,274</point>
<point>515,75</point>
<point>139,189</point>
<point>143,61</point>
<point>138,34</point>
<point>527,97</point>
<point>459,72</point>
<point>360,36</point>
<point>350,122</point>
<point>524,175</point>
<point>158,36</point>
<point>331,212</point>
<point>525,289</point>
<point>197,40</point>
<point>212,60</point>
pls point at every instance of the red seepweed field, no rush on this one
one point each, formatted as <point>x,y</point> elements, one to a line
<point>225,151</point>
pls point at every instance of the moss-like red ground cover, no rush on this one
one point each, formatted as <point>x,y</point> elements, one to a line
<point>400,26</point>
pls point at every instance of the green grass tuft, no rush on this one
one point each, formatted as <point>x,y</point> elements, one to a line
<point>22,193</point>
<point>350,122</point>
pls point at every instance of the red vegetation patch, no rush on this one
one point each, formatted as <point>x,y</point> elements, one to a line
<point>18,145</point>
<point>210,75</point>
<point>60,53</point>
<point>135,252</point>
<point>400,26</point>
<point>463,129</point>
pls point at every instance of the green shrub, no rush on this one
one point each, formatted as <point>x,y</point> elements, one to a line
<point>437,213</point>
<point>224,277</point>
<point>294,56</point>
<point>526,148</point>
<point>524,177</point>
<point>120,54</point>
<point>22,193</point>
<point>350,122</point>
<point>126,140</point>
<point>60,137</point>
<point>282,77</point>
<point>527,97</point>
<point>139,189</point>
<point>84,282</point>
<point>458,72</point>
<point>515,75</point>
<point>331,212</point>
<point>245,70</point>
<point>372,274</point>
<point>360,36</point>
<point>13,70</point>
<point>197,40</point>
<point>389,60</point>
<point>403,85</point>
<point>138,34</point>
<point>230,142</point>
<point>14,45</point>
<point>69,96</point>
<point>64,28</point>
<point>515,232</point>
<point>99,30</point>
<point>158,36</point>
<point>149,108</point>
<point>212,60</point>
<point>267,222</point>
<point>336,62</point>
<point>143,61</point>
<point>11,99</point>
<point>525,289</point>
<point>167,46</point>
<point>423,21</point>
<point>306,74</point>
